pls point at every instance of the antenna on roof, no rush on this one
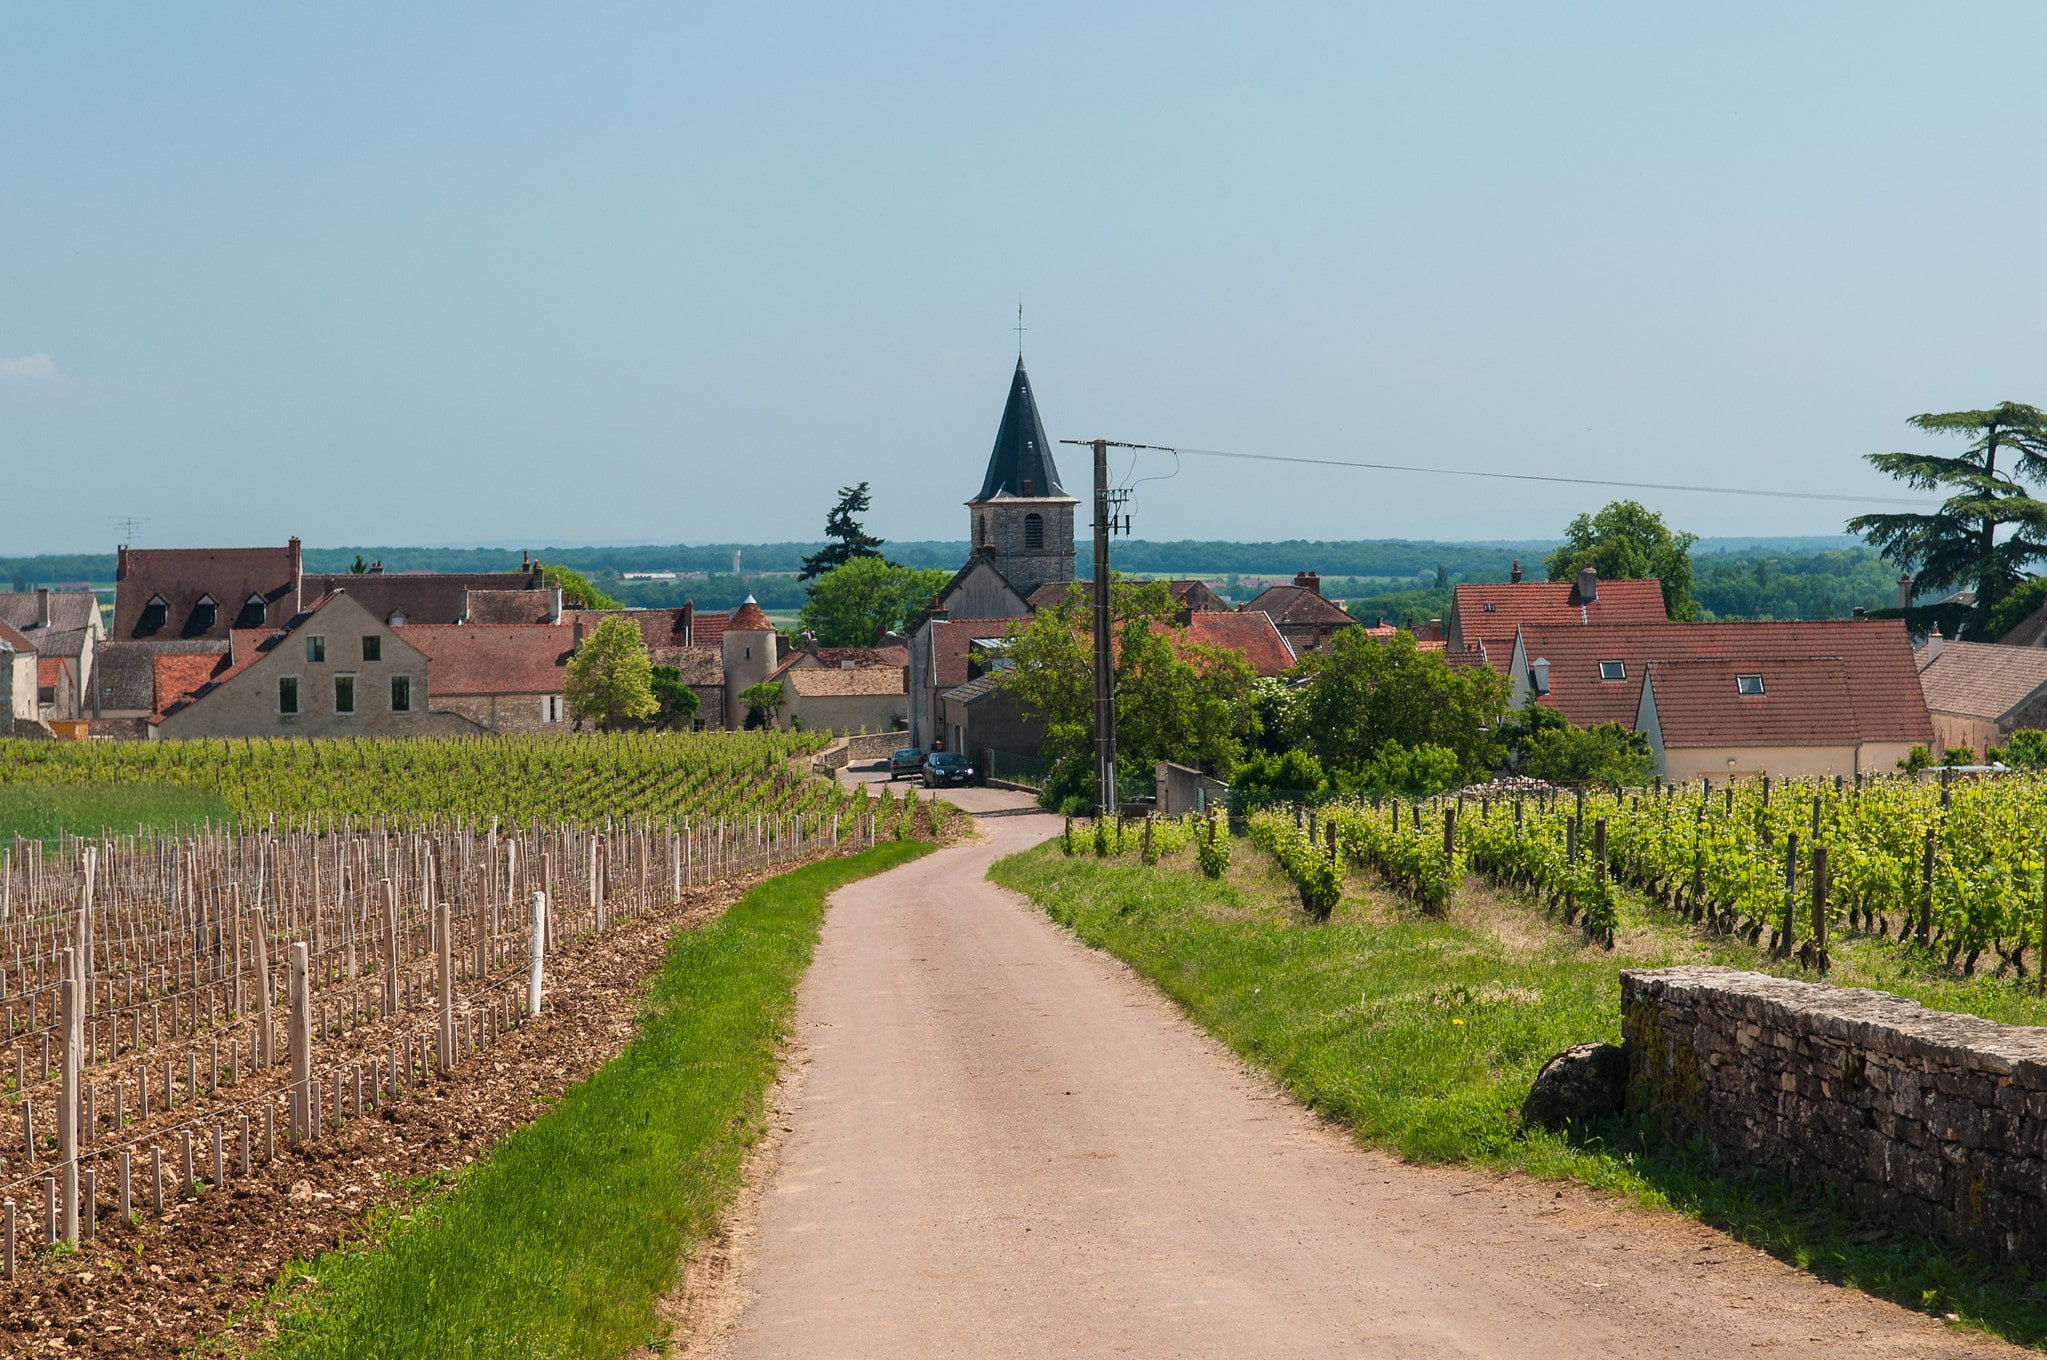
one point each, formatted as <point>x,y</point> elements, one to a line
<point>126,526</point>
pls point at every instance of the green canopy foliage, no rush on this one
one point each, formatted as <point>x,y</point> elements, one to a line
<point>1627,541</point>
<point>1990,527</point>
<point>577,591</point>
<point>1542,744</point>
<point>761,702</point>
<point>610,681</point>
<point>677,702</point>
<point>1176,699</point>
<point>1367,693</point>
<point>853,604</point>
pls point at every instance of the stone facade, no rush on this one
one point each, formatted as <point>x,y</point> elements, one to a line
<point>1934,1122</point>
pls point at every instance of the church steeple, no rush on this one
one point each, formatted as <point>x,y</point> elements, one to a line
<point>1021,464</point>
<point>1022,519</point>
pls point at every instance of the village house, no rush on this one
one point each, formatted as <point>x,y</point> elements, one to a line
<point>843,689</point>
<point>503,678</point>
<point>17,684</point>
<point>66,628</point>
<point>1486,616</point>
<point>334,669</point>
<point>1305,619</point>
<point>1831,677</point>
<point>1979,693</point>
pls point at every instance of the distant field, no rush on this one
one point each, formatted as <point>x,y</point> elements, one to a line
<point>38,812</point>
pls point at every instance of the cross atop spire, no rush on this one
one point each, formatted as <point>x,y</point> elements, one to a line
<point>1021,464</point>
<point>1019,329</point>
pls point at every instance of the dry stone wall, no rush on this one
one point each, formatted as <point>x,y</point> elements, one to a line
<point>1932,1121</point>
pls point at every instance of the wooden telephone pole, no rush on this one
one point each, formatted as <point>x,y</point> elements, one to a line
<point>1108,520</point>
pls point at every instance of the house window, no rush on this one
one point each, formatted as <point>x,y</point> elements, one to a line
<point>1613,670</point>
<point>373,648</point>
<point>155,612</point>
<point>316,648</point>
<point>696,724</point>
<point>1748,684</point>
<point>253,610</point>
<point>287,694</point>
<point>205,612</point>
<point>401,692</point>
<point>1490,606</point>
<point>1034,530</point>
<point>344,694</point>
<point>551,708</point>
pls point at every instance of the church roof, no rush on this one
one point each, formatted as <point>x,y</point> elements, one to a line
<point>1023,456</point>
<point>749,618</point>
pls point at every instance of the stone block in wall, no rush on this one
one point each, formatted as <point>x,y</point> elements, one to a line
<point>1934,1122</point>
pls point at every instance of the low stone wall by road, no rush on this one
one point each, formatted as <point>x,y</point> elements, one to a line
<point>1931,1121</point>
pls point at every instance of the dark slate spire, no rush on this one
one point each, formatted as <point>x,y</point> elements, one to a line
<point>1022,453</point>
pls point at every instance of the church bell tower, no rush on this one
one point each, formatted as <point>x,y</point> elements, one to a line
<point>1022,520</point>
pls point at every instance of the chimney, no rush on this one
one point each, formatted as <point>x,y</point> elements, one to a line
<point>1858,612</point>
<point>42,606</point>
<point>1905,591</point>
<point>1309,580</point>
<point>121,563</point>
<point>1588,585</point>
<point>1934,643</point>
<point>1515,575</point>
<point>576,633</point>
<point>689,623</point>
<point>556,616</point>
<point>526,560</point>
<point>1539,671</point>
<point>809,643</point>
<point>298,568</point>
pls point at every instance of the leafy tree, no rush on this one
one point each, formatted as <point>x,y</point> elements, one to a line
<point>1915,760</point>
<point>1627,541</point>
<point>762,702</point>
<point>1990,527</point>
<point>1366,692</point>
<point>1423,772</point>
<point>853,604</point>
<point>358,567</point>
<point>1604,752</point>
<point>1277,707</point>
<point>610,681</point>
<point>577,591</point>
<point>2025,749</point>
<point>1294,772</point>
<point>678,702</point>
<point>1958,755</point>
<point>848,539</point>
<point>1175,699</point>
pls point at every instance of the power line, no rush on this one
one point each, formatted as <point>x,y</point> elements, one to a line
<point>1540,477</point>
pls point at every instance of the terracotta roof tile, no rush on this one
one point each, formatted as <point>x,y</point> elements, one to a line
<point>494,658</point>
<point>1982,679</point>
<point>1253,636</point>
<point>179,675</point>
<point>504,606</point>
<point>951,639</point>
<point>1805,702</point>
<point>1493,611</point>
<point>749,617</point>
<point>14,640</point>
<point>1298,606</point>
<point>49,671</point>
<point>822,681</point>
<point>1876,655</point>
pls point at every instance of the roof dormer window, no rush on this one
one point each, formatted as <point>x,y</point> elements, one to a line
<point>1613,670</point>
<point>206,612</point>
<point>253,610</point>
<point>1490,606</point>
<point>155,612</point>
<point>1748,685</point>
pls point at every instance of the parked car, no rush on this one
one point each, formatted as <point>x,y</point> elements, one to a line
<point>947,767</point>
<point>907,761</point>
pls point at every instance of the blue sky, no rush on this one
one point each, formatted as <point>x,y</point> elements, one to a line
<point>617,273</point>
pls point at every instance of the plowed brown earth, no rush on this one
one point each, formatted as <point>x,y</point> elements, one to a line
<point>156,1289</point>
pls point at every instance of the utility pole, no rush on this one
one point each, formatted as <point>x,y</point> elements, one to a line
<point>1105,698</point>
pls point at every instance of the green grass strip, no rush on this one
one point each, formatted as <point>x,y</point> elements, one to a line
<point>41,811</point>
<point>1423,1035</point>
<point>561,1241</point>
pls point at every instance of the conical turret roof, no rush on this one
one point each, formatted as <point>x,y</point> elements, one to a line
<point>1022,453</point>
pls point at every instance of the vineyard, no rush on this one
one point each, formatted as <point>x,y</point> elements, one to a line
<point>222,1009</point>
<point>579,778</point>
<point>1958,868</point>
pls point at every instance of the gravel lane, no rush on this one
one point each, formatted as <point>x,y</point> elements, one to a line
<point>1001,1143</point>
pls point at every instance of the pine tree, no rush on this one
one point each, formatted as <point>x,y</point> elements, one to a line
<point>1964,542</point>
<point>849,540</point>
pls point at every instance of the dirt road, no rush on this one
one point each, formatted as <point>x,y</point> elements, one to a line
<point>1002,1144</point>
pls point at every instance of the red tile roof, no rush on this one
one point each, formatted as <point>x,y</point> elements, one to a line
<point>180,576</point>
<point>709,628</point>
<point>1492,612</point>
<point>1253,636</point>
<point>180,674</point>
<point>14,639</point>
<point>749,617</point>
<point>835,658</point>
<point>491,658</point>
<point>49,671</point>
<point>1298,606</point>
<point>1982,679</point>
<point>1805,702</point>
<point>951,639</point>
<point>1876,656</point>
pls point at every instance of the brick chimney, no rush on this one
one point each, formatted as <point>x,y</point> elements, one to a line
<point>298,569</point>
<point>689,623</point>
<point>1515,575</point>
<point>1588,585</point>
<point>42,606</point>
<point>1309,580</point>
<point>121,562</point>
<point>1905,591</point>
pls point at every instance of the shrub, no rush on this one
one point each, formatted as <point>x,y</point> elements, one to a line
<point>1213,848</point>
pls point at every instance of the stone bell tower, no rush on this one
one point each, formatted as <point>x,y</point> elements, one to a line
<point>1022,520</point>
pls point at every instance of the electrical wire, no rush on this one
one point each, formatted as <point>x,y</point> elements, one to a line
<point>1567,481</point>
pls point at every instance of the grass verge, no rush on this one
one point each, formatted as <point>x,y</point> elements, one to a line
<point>40,811</point>
<point>1423,1035</point>
<point>560,1242</point>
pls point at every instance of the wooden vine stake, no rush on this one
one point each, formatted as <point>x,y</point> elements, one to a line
<point>301,1039</point>
<point>539,954</point>
<point>444,970</point>
<point>73,1021</point>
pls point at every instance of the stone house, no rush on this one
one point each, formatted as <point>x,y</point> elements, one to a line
<point>843,690</point>
<point>1979,693</point>
<point>66,629</point>
<point>333,669</point>
<point>17,683</point>
<point>1487,615</point>
<point>1298,611</point>
<point>504,678</point>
